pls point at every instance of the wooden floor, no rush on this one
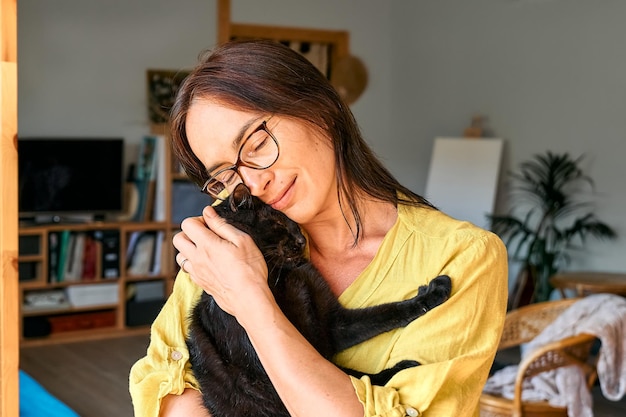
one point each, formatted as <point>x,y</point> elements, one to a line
<point>92,377</point>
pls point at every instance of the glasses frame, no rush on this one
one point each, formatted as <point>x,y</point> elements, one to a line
<point>239,163</point>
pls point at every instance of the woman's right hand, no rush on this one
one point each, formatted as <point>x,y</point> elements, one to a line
<point>224,261</point>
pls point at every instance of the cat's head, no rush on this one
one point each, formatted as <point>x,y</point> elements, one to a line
<point>277,236</point>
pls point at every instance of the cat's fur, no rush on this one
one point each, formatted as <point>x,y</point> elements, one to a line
<point>232,379</point>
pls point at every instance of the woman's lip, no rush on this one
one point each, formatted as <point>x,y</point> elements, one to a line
<point>280,201</point>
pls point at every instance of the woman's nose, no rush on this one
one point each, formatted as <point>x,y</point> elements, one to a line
<point>256,180</point>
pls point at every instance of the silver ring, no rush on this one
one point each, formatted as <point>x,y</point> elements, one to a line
<point>182,264</point>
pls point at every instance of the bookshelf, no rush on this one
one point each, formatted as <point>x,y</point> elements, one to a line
<point>114,276</point>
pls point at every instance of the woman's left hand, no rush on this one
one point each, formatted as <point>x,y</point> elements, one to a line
<point>224,261</point>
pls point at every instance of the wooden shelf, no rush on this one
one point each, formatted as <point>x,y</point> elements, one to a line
<point>28,311</point>
<point>34,266</point>
<point>81,336</point>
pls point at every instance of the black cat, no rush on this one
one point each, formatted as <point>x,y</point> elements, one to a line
<point>232,379</point>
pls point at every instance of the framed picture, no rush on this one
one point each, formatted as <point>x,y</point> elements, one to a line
<point>162,88</point>
<point>324,48</point>
<point>328,50</point>
<point>318,53</point>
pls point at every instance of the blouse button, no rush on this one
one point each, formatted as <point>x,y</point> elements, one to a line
<point>176,355</point>
<point>412,412</point>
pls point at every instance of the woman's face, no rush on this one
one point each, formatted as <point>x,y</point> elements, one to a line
<point>301,183</point>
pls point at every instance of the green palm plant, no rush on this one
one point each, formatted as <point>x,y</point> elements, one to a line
<point>550,217</point>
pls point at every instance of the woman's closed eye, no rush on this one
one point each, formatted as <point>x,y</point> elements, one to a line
<point>256,144</point>
<point>228,176</point>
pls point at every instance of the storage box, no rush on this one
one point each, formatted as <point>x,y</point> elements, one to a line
<point>142,313</point>
<point>36,326</point>
<point>82,321</point>
<point>92,295</point>
<point>149,291</point>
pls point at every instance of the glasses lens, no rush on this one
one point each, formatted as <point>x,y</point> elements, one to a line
<point>228,177</point>
<point>213,188</point>
<point>222,183</point>
<point>260,150</point>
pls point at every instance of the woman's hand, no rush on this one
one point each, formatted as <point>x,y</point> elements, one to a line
<point>224,261</point>
<point>227,264</point>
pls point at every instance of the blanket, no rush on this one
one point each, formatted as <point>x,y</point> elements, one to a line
<point>602,315</point>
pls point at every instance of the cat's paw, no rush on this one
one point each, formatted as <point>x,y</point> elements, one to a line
<point>436,292</point>
<point>405,364</point>
<point>384,376</point>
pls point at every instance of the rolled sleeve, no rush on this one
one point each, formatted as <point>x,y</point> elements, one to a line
<point>165,369</point>
<point>379,401</point>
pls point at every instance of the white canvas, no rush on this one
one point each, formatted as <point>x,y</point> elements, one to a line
<point>463,177</point>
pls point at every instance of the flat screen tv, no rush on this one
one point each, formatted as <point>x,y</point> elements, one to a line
<point>70,177</point>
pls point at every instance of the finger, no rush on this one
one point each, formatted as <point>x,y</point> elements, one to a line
<point>196,230</point>
<point>180,258</point>
<point>183,244</point>
<point>183,263</point>
<point>220,226</point>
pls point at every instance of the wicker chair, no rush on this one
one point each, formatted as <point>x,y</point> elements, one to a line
<point>521,326</point>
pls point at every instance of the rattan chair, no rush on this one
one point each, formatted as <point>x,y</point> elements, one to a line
<point>521,326</point>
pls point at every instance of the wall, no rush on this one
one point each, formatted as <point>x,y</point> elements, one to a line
<point>82,63</point>
<point>549,74</point>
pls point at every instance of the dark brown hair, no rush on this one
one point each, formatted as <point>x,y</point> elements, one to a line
<point>267,77</point>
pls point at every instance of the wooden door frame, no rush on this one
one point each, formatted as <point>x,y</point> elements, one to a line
<point>9,340</point>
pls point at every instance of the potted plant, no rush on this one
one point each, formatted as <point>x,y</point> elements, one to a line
<point>548,217</point>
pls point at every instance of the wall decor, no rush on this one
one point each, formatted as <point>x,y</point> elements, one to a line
<point>328,50</point>
<point>324,48</point>
<point>162,88</point>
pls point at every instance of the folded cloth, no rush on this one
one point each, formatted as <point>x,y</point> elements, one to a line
<point>602,315</point>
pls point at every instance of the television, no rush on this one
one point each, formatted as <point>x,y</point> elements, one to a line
<point>61,179</point>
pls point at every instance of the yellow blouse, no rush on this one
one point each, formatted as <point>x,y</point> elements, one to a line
<point>455,343</point>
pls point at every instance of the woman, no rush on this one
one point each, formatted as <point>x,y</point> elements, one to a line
<point>258,113</point>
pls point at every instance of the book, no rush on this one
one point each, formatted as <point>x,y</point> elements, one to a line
<point>158,213</point>
<point>53,256</point>
<point>90,258</point>
<point>141,253</point>
<point>74,263</point>
<point>64,241</point>
<point>110,252</point>
<point>157,253</point>
<point>145,178</point>
<point>131,246</point>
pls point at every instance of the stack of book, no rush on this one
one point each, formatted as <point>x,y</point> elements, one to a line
<point>83,256</point>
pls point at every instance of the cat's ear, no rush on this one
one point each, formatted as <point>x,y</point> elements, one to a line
<point>241,198</point>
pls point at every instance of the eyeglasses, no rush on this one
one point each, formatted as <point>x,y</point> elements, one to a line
<point>258,151</point>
